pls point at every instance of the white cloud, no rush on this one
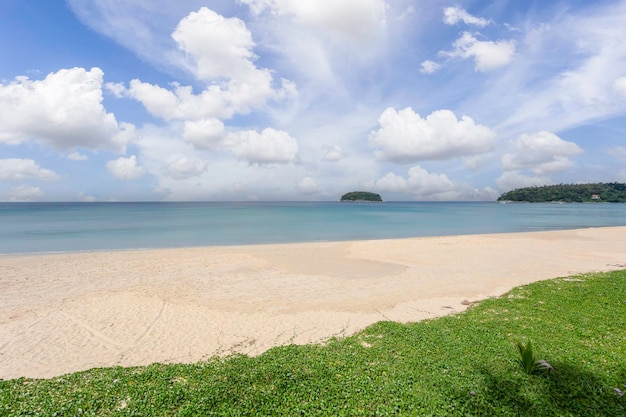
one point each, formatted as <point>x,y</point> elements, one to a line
<point>77,156</point>
<point>487,55</point>
<point>424,185</point>
<point>308,186</point>
<point>64,110</point>
<point>454,15</point>
<point>268,147</point>
<point>213,102</point>
<point>356,20</point>
<point>219,47</point>
<point>320,43</point>
<point>405,137</point>
<point>25,193</point>
<point>391,183</point>
<point>183,168</point>
<point>619,86</point>
<point>14,169</point>
<point>564,75</point>
<point>542,152</point>
<point>233,171</point>
<point>204,133</point>
<point>125,168</point>
<point>218,51</point>
<point>160,102</point>
<point>332,153</point>
<point>511,180</point>
<point>429,67</point>
<point>117,89</point>
<point>181,102</point>
<point>307,41</point>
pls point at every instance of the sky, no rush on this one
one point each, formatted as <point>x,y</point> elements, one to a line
<point>302,100</point>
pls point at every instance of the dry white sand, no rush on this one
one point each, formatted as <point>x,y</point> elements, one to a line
<point>62,313</point>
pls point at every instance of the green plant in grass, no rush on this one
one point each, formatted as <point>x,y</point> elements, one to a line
<point>529,362</point>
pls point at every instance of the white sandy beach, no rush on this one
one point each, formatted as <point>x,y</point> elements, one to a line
<point>62,313</point>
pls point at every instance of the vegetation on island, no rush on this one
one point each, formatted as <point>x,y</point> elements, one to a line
<point>361,196</point>
<point>569,193</point>
<point>468,364</point>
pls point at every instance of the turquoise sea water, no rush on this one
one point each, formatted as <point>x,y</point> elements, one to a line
<point>59,227</point>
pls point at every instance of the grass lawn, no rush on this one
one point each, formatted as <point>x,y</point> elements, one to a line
<point>463,365</point>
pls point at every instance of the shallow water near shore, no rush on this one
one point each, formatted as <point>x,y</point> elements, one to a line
<point>70,227</point>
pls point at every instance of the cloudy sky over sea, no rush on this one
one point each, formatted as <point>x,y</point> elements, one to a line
<point>115,100</point>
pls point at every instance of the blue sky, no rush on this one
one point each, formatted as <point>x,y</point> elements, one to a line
<point>117,100</point>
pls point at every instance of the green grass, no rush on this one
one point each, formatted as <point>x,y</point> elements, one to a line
<point>465,365</point>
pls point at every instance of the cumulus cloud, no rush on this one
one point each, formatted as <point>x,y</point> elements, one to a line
<point>214,102</point>
<point>117,89</point>
<point>14,169</point>
<point>514,179</point>
<point>268,147</point>
<point>619,86</point>
<point>219,47</point>
<point>424,185</point>
<point>332,153</point>
<point>542,152</point>
<point>180,102</point>
<point>183,168</point>
<point>25,193</point>
<point>454,15</point>
<point>125,168</point>
<point>356,20</point>
<point>391,183</point>
<point>204,133</point>
<point>219,51</point>
<point>308,186</point>
<point>64,110</point>
<point>419,182</point>
<point>406,137</point>
<point>429,67</point>
<point>487,55</point>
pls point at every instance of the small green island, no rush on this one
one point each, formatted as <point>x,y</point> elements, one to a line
<point>361,196</point>
<point>568,193</point>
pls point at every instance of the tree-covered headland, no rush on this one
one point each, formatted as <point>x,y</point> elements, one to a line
<point>361,196</point>
<point>569,193</point>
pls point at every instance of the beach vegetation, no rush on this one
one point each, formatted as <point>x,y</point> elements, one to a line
<point>458,365</point>
<point>569,193</point>
<point>528,360</point>
<point>361,196</point>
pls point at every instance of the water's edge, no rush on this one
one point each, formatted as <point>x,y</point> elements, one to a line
<point>29,228</point>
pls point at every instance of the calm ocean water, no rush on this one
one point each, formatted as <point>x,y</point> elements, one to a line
<point>54,227</point>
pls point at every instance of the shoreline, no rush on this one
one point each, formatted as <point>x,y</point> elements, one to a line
<point>243,245</point>
<point>72,311</point>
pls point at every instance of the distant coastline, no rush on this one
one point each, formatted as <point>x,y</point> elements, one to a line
<point>568,193</point>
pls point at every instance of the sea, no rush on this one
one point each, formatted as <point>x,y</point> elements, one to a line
<point>75,227</point>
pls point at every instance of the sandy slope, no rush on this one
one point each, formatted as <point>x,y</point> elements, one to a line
<point>69,312</point>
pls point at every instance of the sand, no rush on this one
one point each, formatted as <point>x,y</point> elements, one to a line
<point>62,313</point>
